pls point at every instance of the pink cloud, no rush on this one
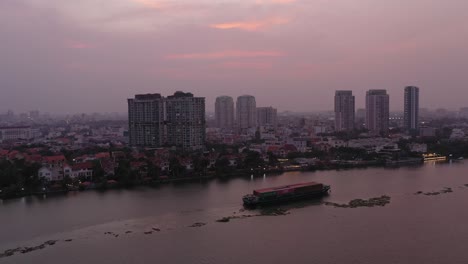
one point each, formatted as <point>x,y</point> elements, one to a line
<point>246,65</point>
<point>251,25</point>
<point>226,54</point>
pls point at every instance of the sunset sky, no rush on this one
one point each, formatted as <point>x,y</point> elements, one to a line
<point>90,55</point>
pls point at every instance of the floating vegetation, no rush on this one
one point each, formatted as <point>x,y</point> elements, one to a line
<point>264,212</point>
<point>377,201</point>
<point>198,224</point>
<point>445,190</point>
<point>24,250</point>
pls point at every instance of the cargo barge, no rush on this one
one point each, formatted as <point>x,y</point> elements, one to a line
<point>285,193</point>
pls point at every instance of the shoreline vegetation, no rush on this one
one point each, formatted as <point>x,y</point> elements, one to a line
<point>226,175</point>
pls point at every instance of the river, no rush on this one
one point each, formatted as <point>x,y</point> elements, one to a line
<point>152,225</point>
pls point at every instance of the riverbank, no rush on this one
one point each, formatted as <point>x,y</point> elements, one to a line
<point>236,173</point>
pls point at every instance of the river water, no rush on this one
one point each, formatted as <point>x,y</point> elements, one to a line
<point>411,229</point>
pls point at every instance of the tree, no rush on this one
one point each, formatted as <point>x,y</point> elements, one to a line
<point>99,175</point>
<point>222,165</point>
<point>272,159</point>
<point>175,168</point>
<point>253,159</point>
<point>153,170</point>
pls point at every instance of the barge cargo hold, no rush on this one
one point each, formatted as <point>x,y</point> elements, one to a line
<point>285,193</point>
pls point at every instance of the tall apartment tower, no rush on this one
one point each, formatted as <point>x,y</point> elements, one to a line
<point>224,112</point>
<point>344,111</point>
<point>267,116</point>
<point>246,112</point>
<point>411,115</point>
<point>146,120</point>
<point>185,121</point>
<point>377,112</point>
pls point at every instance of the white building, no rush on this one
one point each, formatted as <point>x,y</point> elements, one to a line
<point>246,116</point>
<point>344,111</point>
<point>185,121</point>
<point>419,148</point>
<point>377,112</point>
<point>15,133</point>
<point>457,134</point>
<point>146,120</point>
<point>411,114</point>
<point>51,174</point>
<point>267,116</point>
<point>224,112</point>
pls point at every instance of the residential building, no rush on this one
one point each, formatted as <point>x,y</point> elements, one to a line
<point>82,171</point>
<point>51,162</point>
<point>15,133</point>
<point>377,112</point>
<point>427,132</point>
<point>411,114</point>
<point>267,116</point>
<point>50,174</point>
<point>246,116</point>
<point>344,111</point>
<point>146,120</point>
<point>224,112</point>
<point>185,118</point>
<point>419,148</point>
<point>463,113</point>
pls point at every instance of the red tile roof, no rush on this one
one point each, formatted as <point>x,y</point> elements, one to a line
<point>137,164</point>
<point>102,155</point>
<point>82,166</point>
<point>51,159</point>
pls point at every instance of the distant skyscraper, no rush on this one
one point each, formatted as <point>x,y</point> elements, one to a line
<point>246,112</point>
<point>146,120</point>
<point>411,118</point>
<point>344,111</point>
<point>224,112</point>
<point>185,118</point>
<point>267,116</point>
<point>377,111</point>
<point>463,113</point>
<point>177,120</point>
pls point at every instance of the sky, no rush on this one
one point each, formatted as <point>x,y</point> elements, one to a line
<point>67,56</point>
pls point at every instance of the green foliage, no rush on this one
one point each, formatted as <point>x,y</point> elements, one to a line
<point>222,166</point>
<point>20,174</point>
<point>99,174</point>
<point>175,168</point>
<point>253,159</point>
<point>457,149</point>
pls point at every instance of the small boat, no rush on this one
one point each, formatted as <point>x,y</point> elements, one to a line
<point>285,193</point>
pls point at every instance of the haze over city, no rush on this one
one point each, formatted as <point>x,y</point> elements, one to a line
<point>89,56</point>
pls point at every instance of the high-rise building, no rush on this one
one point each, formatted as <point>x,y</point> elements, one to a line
<point>246,112</point>
<point>411,114</point>
<point>146,120</point>
<point>463,113</point>
<point>344,111</point>
<point>224,112</point>
<point>178,120</point>
<point>377,112</point>
<point>267,116</point>
<point>185,118</point>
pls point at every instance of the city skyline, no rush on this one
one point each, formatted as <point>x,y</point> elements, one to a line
<point>300,50</point>
<point>233,131</point>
